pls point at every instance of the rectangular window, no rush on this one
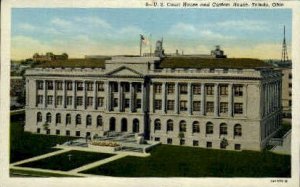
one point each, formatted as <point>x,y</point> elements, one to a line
<point>49,100</point>
<point>89,86</point>
<point>290,76</point>
<point>48,131</point>
<point>69,100</point>
<point>183,89</point>
<point>58,85</point>
<point>68,133</point>
<point>115,102</point>
<point>138,103</point>
<point>69,85</point>
<point>100,86</point>
<point>100,101</point>
<point>157,104</point>
<point>290,85</point>
<point>58,100</point>
<point>89,101</point>
<point>138,87</point>
<point>39,99</point>
<point>49,85</point>
<point>38,130</point>
<point>223,107</point>
<point>196,89</point>
<point>238,90</point>
<point>223,90</point>
<point>238,108</point>
<point>57,132</point>
<point>170,88</point>
<point>182,141</point>
<point>183,105</point>
<point>126,103</point>
<point>77,133</point>
<point>237,146</point>
<point>157,88</point>
<point>79,101</point>
<point>156,139</point>
<point>126,87</point>
<point>114,86</point>
<point>209,106</point>
<point>196,105</point>
<point>79,86</point>
<point>209,144</point>
<point>40,85</point>
<point>209,89</point>
<point>170,105</point>
<point>169,141</point>
<point>195,143</point>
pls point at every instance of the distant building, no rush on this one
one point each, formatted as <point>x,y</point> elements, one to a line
<point>49,57</point>
<point>17,91</point>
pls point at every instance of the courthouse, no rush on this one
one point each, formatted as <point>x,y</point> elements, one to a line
<point>207,101</point>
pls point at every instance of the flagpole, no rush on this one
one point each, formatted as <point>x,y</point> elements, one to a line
<point>150,45</point>
<point>140,45</point>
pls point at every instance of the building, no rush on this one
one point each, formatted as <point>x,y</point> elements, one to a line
<point>221,103</point>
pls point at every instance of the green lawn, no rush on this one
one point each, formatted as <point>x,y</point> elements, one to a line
<point>176,161</point>
<point>63,162</point>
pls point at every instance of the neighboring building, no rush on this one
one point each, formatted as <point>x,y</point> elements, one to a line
<point>17,91</point>
<point>225,103</point>
<point>49,57</point>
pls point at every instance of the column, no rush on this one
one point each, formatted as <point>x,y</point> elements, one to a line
<point>190,95</point>
<point>164,97</point>
<point>142,97</point>
<point>176,98</point>
<point>120,96</point>
<point>108,95</point>
<point>216,100</point>
<point>230,100</point>
<point>265,99</point>
<point>54,94</point>
<point>151,102</point>
<point>84,94</point>
<point>95,95</point>
<point>64,94</point>
<point>245,95</point>
<point>203,99</point>
<point>131,97</point>
<point>45,94</point>
<point>74,94</point>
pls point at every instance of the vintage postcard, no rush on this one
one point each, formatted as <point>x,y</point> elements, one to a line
<point>149,93</point>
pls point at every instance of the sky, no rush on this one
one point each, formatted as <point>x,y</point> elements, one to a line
<point>246,33</point>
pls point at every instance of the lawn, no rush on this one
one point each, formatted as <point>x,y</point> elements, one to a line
<point>176,161</point>
<point>25,145</point>
<point>67,161</point>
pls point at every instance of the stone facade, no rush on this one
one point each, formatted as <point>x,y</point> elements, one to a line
<point>234,109</point>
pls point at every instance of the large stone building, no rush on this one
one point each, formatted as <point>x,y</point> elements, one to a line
<point>217,103</point>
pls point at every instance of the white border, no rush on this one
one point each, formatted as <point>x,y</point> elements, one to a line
<point>5,180</point>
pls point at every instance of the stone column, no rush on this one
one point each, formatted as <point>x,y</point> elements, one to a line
<point>176,98</point>
<point>54,94</point>
<point>74,94</point>
<point>84,94</point>
<point>108,95</point>
<point>151,102</point>
<point>203,99</point>
<point>142,97</point>
<point>245,99</point>
<point>216,100</point>
<point>190,95</point>
<point>230,100</point>
<point>164,97</point>
<point>95,95</point>
<point>45,94</point>
<point>132,97</point>
<point>120,97</point>
<point>64,94</point>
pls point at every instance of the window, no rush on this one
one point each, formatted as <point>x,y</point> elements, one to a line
<point>238,90</point>
<point>38,130</point>
<point>195,143</point>
<point>100,86</point>
<point>49,99</point>
<point>57,132</point>
<point>157,104</point>
<point>223,107</point>
<point>157,139</point>
<point>210,106</point>
<point>58,100</point>
<point>237,130</point>
<point>69,85</point>
<point>79,101</point>
<point>115,102</point>
<point>39,99</point>
<point>170,88</point>
<point>89,86</point>
<point>100,101</point>
<point>78,119</point>
<point>58,118</point>
<point>183,89</point>
<point>68,133</point>
<point>126,87</point>
<point>157,124</point>
<point>223,129</point>
<point>48,131</point>
<point>58,85</point>
<point>290,85</point>
<point>77,133</point>
<point>209,144</point>
<point>209,89</point>
<point>182,141</point>
<point>79,86</point>
<point>69,100</point>
<point>114,87</point>
<point>209,128</point>
<point>183,105</point>
<point>169,125</point>
<point>196,89</point>
<point>49,85</point>
<point>48,118</point>
<point>99,121</point>
<point>196,105</point>
<point>170,105</point>
<point>238,108</point>
<point>68,119</point>
<point>223,90</point>
<point>222,145</point>
<point>89,101</point>
<point>138,87</point>
<point>39,117</point>
<point>196,127</point>
<point>290,76</point>
<point>237,146</point>
<point>182,126</point>
<point>88,120</point>
<point>40,85</point>
<point>290,103</point>
<point>290,94</point>
<point>138,103</point>
<point>157,88</point>
<point>126,103</point>
<point>169,141</point>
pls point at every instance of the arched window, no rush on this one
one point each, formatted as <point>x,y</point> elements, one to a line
<point>135,126</point>
<point>58,118</point>
<point>124,125</point>
<point>196,127</point>
<point>48,117</point>
<point>78,119</point>
<point>39,117</point>
<point>209,128</point>
<point>223,129</point>
<point>169,125</point>
<point>68,119</point>
<point>182,126</point>
<point>237,130</point>
<point>99,121</point>
<point>157,124</point>
<point>112,124</point>
<point>88,120</point>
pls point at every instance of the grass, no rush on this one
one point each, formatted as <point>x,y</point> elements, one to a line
<point>61,162</point>
<point>176,161</point>
<point>24,173</point>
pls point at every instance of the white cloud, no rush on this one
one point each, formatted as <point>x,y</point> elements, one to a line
<point>95,21</point>
<point>182,27</point>
<point>250,25</point>
<point>61,22</point>
<point>27,27</point>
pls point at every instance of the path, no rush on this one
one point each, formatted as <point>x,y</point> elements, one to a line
<point>286,146</point>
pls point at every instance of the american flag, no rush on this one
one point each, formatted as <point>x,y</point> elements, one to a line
<point>144,40</point>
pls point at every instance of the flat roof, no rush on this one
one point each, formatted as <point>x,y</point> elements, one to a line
<point>74,63</point>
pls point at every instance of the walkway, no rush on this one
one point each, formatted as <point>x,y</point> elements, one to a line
<point>286,146</point>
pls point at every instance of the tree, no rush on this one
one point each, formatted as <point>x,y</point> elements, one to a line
<point>224,142</point>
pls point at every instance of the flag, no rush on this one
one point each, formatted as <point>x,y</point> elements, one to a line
<point>144,40</point>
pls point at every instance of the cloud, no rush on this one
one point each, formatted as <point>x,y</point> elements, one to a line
<point>251,25</point>
<point>61,22</point>
<point>27,27</point>
<point>95,21</point>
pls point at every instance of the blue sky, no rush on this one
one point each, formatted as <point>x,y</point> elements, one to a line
<point>255,33</point>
